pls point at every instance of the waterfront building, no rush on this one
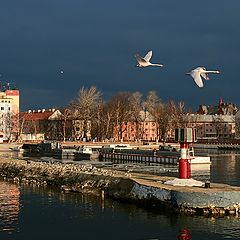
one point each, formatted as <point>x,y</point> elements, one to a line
<point>40,124</point>
<point>78,131</point>
<point>214,122</point>
<point>212,127</point>
<point>143,130</point>
<point>51,124</point>
<point>211,122</point>
<point>9,111</point>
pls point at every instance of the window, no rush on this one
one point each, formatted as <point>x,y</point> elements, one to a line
<point>2,108</point>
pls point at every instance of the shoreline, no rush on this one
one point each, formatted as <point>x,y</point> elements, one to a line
<point>140,188</point>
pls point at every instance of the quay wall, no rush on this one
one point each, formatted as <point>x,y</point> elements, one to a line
<point>144,189</point>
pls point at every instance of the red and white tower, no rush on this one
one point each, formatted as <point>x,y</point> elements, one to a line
<point>185,136</point>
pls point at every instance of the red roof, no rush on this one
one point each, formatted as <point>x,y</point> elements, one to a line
<point>36,116</point>
<point>12,92</point>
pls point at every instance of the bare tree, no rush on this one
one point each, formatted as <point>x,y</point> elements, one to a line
<point>98,122</point>
<point>59,126</point>
<point>8,125</point>
<point>178,117</point>
<point>120,106</point>
<point>66,113</point>
<point>18,122</point>
<point>154,106</point>
<point>108,117</point>
<point>167,115</point>
<point>84,105</point>
<point>136,105</point>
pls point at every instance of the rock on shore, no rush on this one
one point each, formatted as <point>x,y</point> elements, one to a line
<point>120,185</point>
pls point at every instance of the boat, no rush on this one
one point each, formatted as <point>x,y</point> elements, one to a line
<point>48,149</point>
<point>17,148</point>
<point>86,153</point>
<point>198,159</point>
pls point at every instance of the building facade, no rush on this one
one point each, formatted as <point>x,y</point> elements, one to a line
<point>9,112</point>
<point>42,124</point>
<point>212,127</point>
<point>214,123</point>
<point>144,130</point>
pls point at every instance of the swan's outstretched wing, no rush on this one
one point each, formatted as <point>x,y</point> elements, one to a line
<point>205,76</point>
<point>139,58</point>
<point>148,56</point>
<point>197,78</point>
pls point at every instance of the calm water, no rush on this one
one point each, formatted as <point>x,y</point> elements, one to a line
<point>28,212</point>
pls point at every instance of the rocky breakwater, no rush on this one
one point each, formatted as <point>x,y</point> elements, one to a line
<point>219,200</point>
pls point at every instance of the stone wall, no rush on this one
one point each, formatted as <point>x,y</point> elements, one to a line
<point>86,178</point>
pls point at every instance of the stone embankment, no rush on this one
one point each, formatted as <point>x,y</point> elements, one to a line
<point>219,200</point>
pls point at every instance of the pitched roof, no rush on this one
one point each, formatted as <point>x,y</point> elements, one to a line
<point>37,115</point>
<point>199,118</point>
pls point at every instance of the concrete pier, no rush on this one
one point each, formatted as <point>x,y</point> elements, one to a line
<point>218,200</point>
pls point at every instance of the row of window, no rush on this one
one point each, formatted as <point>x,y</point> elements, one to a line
<point>2,108</point>
<point>210,124</point>
<point>220,130</point>
<point>153,124</point>
<point>153,135</point>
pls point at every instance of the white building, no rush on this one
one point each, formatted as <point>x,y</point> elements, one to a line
<point>9,110</point>
<point>212,126</point>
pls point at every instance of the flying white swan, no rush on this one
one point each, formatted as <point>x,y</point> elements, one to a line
<point>198,73</point>
<point>145,62</point>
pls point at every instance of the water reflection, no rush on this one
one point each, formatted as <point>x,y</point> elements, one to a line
<point>59,215</point>
<point>184,234</point>
<point>9,206</point>
<point>226,168</point>
<point>48,213</point>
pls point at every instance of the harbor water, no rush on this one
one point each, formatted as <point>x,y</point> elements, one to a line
<point>32,212</point>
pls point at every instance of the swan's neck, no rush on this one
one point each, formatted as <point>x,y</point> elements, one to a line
<point>156,64</point>
<point>211,71</point>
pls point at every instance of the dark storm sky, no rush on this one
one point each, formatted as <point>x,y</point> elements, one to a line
<point>94,41</point>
